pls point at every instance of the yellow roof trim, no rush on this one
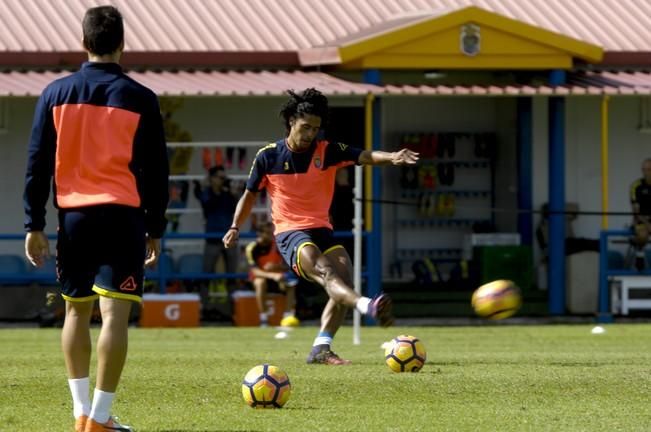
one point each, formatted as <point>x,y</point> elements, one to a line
<point>442,62</point>
<point>355,51</point>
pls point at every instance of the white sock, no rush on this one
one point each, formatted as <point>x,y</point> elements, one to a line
<point>362,305</point>
<point>79,388</point>
<point>101,410</point>
<point>324,338</point>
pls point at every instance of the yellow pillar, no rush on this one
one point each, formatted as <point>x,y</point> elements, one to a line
<point>368,145</point>
<point>604,161</point>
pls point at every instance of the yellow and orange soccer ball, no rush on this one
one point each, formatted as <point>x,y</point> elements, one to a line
<point>266,386</point>
<point>405,354</point>
<point>497,300</point>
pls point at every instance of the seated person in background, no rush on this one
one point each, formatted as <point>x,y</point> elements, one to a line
<point>268,270</point>
<point>641,206</point>
<point>573,244</point>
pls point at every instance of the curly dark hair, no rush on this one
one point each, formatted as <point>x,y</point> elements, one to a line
<point>309,101</point>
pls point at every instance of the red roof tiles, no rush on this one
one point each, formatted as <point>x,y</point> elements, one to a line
<point>267,83</point>
<point>292,25</point>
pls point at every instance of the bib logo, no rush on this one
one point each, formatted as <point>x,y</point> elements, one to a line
<point>173,312</point>
<point>129,284</point>
<point>317,162</point>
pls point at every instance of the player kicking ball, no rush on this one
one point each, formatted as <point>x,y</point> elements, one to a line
<point>298,172</point>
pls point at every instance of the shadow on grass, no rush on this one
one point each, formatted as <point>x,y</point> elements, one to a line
<point>577,364</point>
<point>302,408</point>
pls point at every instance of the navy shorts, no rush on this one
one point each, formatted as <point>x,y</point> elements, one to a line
<point>101,251</point>
<point>290,244</point>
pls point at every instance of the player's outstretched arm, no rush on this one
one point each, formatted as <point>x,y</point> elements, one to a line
<point>242,212</point>
<point>401,157</point>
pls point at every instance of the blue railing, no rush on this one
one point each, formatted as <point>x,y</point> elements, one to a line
<point>604,314</point>
<point>28,274</point>
<point>162,273</point>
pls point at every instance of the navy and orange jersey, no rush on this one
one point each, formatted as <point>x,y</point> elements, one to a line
<point>300,184</point>
<point>100,135</point>
<point>641,196</point>
<point>259,255</point>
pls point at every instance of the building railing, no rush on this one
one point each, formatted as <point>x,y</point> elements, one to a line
<point>161,273</point>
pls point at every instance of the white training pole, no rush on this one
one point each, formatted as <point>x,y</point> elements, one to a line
<point>357,250</point>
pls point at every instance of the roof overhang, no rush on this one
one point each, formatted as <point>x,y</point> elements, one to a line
<point>202,83</point>
<point>158,59</point>
<point>468,38</point>
<point>268,83</point>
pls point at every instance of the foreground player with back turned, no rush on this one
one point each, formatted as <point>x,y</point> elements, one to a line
<point>100,135</point>
<point>299,174</point>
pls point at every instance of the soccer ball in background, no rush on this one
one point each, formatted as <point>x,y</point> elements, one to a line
<point>266,386</point>
<point>405,354</point>
<point>497,300</point>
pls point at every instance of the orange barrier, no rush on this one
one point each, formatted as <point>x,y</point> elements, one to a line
<point>245,309</point>
<point>170,310</point>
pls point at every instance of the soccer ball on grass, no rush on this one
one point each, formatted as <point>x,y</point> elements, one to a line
<point>405,354</point>
<point>266,386</point>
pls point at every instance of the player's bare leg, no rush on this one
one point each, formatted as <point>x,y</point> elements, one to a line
<point>333,271</point>
<point>75,338</point>
<point>322,270</point>
<point>640,240</point>
<point>111,354</point>
<point>334,313</point>
<point>112,342</point>
<point>333,316</point>
<point>289,315</point>
<point>260,285</point>
<point>290,292</point>
<point>76,346</point>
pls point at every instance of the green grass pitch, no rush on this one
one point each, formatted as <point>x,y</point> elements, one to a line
<point>485,378</point>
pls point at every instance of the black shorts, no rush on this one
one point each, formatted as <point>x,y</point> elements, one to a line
<point>290,244</point>
<point>101,251</point>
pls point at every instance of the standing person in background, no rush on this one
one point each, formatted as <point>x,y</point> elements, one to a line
<point>298,172</point>
<point>100,134</point>
<point>218,205</point>
<point>342,209</point>
<point>267,270</point>
<point>640,194</point>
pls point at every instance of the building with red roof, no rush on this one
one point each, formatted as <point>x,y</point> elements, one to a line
<point>563,87</point>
